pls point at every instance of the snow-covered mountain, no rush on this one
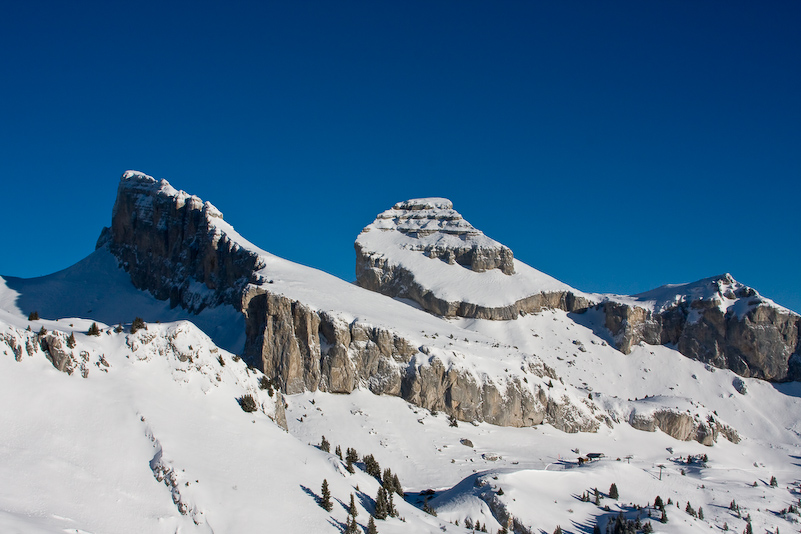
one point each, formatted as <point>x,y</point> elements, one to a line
<point>483,385</point>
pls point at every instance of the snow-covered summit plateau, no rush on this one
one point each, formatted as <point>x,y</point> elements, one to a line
<point>150,387</point>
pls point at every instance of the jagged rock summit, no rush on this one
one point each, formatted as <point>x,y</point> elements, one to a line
<point>433,227</point>
<point>424,250</point>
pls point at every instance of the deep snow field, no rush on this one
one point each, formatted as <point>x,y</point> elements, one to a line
<point>147,434</point>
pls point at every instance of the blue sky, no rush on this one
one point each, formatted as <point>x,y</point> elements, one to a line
<point>617,146</point>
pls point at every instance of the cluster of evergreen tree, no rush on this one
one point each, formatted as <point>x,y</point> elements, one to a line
<point>94,330</point>
<point>621,525</point>
<point>325,445</point>
<point>613,493</point>
<point>371,466</point>
<point>477,527</point>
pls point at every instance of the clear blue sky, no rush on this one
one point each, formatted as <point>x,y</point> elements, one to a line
<point>617,146</point>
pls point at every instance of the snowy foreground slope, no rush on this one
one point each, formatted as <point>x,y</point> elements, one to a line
<point>144,432</point>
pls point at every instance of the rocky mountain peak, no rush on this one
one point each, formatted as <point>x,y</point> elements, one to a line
<point>168,240</point>
<point>432,227</point>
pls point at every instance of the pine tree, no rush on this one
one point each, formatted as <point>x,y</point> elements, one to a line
<point>349,465</point>
<point>557,530</point>
<point>352,455</point>
<point>387,482</point>
<point>325,500</point>
<point>71,340</point>
<point>597,497</point>
<point>352,508</point>
<point>138,324</point>
<point>350,526</point>
<point>94,330</point>
<point>338,452</point>
<point>43,332</point>
<point>596,529</point>
<point>773,482</point>
<point>324,445</point>
<point>371,528</point>
<point>700,513</point>
<point>658,504</point>
<point>647,528</point>
<point>371,467</point>
<point>689,509</point>
<point>613,494</point>
<point>397,484</point>
<point>452,421</point>
<point>393,512</point>
<point>468,523</point>
<point>381,511</point>
<point>33,316</point>
<point>748,529</point>
<point>664,518</point>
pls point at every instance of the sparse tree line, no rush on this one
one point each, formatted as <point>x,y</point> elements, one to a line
<point>94,330</point>
<point>383,503</point>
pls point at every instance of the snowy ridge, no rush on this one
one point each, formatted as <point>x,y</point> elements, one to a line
<point>726,293</point>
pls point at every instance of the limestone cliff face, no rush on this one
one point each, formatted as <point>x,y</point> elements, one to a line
<point>308,350</point>
<point>717,321</point>
<point>165,241</point>
<point>177,247</point>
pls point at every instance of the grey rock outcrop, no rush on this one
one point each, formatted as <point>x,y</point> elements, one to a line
<point>165,241</point>
<point>683,426</point>
<point>717,321</point>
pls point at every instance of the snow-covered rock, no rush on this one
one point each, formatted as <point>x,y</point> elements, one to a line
<point>423,250</point>
<point>716,320</point>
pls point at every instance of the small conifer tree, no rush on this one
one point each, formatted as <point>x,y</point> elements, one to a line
<point>325,499</point>
<point>248,403</point>
<point>500,491</point>
<point>773,482</point>
<point>647,528</point>
<point>613,494</point>
<point>371,528</point>
<point>452,421</point>
<point>381,505</point>
<point>324,445</point>
<point>664,518</point>
<point>138,324</point>
<point>43,332</point>
<point>349,465</point>
<point>71,340</point>
<point>33,316</point>
<point>658,503</point>
<point>597,497</point>
<point>397,484</point>
<point>338,452</point>
<point>557,530</point>
<point>94,330</point>
<point>700,513</point>
<point>352,510</point>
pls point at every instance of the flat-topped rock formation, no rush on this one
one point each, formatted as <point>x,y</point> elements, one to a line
<point>424,250</point>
